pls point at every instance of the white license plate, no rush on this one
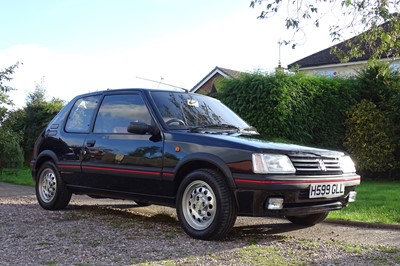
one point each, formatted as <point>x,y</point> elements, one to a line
<point>326,190</point>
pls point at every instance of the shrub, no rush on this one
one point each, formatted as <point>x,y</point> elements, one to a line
<point>366,138</point>
<point>11,155</point>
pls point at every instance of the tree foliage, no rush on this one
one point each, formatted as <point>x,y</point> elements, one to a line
<point>375,22</point>
<point>33,118</point>
<point>10,151</point>
<point>5,76</point>
<point>375,121</point>
<point>11,155</point>
<point>38,113</point>
<point>367,138</point>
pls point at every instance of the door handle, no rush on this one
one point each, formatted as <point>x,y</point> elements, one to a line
<point>90,143</point>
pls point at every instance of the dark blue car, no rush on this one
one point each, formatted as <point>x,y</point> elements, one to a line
<point>187,151</point>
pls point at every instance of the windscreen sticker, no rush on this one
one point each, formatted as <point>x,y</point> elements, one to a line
<point>193,103</point>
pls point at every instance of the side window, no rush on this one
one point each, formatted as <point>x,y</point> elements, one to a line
<point>81,114</point>
<point>117,111</point>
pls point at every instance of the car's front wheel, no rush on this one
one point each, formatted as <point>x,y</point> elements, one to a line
<point>51,192</point>
<point>205,205</point>
<point>308,220</point>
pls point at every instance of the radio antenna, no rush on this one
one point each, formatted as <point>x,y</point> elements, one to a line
<point>159,82</point>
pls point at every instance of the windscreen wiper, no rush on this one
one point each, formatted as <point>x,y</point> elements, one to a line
<point>214,126</point>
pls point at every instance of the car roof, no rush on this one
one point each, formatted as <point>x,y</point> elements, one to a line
<point>178,90</point>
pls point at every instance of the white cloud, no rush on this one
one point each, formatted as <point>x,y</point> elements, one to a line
<point>239,41</point>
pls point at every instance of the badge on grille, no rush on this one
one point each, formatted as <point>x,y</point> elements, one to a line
<point>322,165</point>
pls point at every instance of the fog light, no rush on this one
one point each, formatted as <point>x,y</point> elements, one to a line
<point>352,196</point>
<point>275,204</point>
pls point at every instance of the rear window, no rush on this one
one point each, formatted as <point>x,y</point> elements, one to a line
<point>81,114</point>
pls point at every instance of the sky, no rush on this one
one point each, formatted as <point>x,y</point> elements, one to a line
<point>78,46</point>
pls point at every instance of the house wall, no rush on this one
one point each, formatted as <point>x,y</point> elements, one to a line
<point>207,87</point>
<point>343,70</point>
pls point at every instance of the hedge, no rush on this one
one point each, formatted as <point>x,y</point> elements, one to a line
<point>298,108</point>
<point>324,112</point>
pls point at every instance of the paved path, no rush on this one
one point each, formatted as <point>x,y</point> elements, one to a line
<point>11,190</point>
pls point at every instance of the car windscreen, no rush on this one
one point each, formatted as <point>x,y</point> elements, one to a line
<point>188,111</point>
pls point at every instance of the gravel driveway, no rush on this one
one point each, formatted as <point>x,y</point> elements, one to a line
<point>107,232</point>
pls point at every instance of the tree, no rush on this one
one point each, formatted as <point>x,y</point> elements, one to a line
<point>5,76</point>
<point>10,151</point>
<point>375,22</point>
<point>38,113</point>
<point>30,120</point>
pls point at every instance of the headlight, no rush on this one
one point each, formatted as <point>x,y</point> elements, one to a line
<point>347,165</point>
<point>272,164</point>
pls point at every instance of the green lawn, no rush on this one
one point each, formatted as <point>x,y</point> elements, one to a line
<point>21,176</point>
<point>377,202</point>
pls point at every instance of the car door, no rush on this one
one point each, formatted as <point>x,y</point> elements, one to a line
<point>118,161</point>
<point>69,144</point>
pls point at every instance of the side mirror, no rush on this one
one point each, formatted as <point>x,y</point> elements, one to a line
<point>142,128</point>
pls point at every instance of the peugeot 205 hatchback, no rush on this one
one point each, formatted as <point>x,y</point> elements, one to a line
<point>187,151</point>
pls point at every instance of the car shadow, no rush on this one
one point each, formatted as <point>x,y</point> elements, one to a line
<point>159,214</point>
<point>266,229</point>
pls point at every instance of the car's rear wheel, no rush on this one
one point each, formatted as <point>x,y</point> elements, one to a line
<point>308,220</point>
<point>51,192</point>
<point>205,205</point>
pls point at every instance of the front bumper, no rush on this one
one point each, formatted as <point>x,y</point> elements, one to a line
<point>253,192</point>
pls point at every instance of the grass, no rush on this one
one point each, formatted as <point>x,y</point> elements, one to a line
<point>377,202</point>
<point>21,176</point>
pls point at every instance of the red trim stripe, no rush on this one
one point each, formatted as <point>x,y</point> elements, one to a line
<point>69,166</point>
<point>289,182</point>
<point>168,174</point>
<point>121,170</point>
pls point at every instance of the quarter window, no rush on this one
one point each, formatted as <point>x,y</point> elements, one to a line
<point>81,114</point>
<point>117,111</point>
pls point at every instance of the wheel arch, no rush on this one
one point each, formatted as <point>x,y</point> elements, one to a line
<point>200,161</point>
<point>45,156</point>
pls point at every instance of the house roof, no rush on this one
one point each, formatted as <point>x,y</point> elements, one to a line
<point>225,72</point>
<point>325,57</point>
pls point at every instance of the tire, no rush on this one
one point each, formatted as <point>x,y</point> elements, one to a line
<point>51,192</point>
<point>308,220</point>
<point>205,206</point>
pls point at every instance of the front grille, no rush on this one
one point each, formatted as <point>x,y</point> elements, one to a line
<point>316,165</point>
